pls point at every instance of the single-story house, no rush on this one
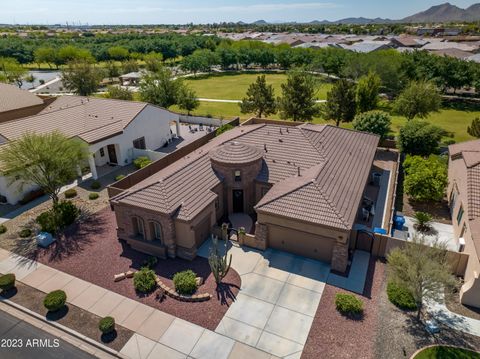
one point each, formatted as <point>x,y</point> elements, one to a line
<point>303,185</point>
<point>113,129</point>
<point>17,103</point>
<point>464,200</point>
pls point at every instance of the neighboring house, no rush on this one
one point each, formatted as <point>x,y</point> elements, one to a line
<point>111,128</point>
<point>304,185</point>
<point>456,53</point>
<point>464,200</point>
<point>17,103</point>
<point>369,46</point>
<point>408,41</point>
<point>444,45</point>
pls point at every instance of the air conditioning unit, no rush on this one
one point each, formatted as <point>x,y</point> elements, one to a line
<point>461,244</point>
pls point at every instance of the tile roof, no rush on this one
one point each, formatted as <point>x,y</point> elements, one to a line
<point>334,165</point>
<point>235,152</point>
<point>13,98</point>
<point>91,119</point>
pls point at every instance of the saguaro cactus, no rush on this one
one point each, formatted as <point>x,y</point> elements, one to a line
<point>220,265</point>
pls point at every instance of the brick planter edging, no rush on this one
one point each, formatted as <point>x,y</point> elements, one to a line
<point>438,345</point>
<point>184,298</point>
<point>64,329</point>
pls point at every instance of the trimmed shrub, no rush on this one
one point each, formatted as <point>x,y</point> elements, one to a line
<point>55,300</point>
<point>25,233</point>
<point>3,229</point>
<point>106,325</point>
<point>144,280</point>
<point>67,212</point>
<point>95,185</point>
<point>185,282</point>
<point>348,304</point>
<point>48,222</point>
<point>70,193</point>
<point>150,262</point>
<point>400,297</point>
<point>94,195</point>
<point>7,281</point>
<point>142,161</point>
<point>119,177</point>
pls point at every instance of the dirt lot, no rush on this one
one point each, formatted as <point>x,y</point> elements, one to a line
<point>91,251</point>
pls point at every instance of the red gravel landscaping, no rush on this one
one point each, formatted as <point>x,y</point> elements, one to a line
<point>334,336</point>
<point>91,251</point>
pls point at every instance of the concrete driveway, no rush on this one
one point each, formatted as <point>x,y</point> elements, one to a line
<point>278,299</point>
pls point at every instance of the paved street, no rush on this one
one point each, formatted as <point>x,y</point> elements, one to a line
<point>35,343</point>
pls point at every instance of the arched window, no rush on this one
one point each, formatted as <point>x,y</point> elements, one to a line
<point>156,231</point>
<point>138,227</point>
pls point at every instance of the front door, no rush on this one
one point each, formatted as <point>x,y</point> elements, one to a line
<point>112,154</point>
<point>238,200</point>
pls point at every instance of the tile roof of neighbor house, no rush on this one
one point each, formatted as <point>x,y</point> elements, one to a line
<point>91,119</point>
<point>13,98</point>
<point>459,54</point>
<point>449,45</point>
<point>470,153</point>
<point>334,165</point>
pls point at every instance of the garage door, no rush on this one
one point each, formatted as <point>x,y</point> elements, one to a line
<point>202,231</point>
<point>301,243</point>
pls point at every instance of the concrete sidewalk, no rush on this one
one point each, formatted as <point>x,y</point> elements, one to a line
<point>157,334</point>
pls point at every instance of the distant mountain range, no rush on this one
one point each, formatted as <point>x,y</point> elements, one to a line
<point>436,14</point>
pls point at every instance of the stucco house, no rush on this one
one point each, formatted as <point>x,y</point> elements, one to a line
<point>302,185</point>
<point>113,130</point>
<point>464,200</point>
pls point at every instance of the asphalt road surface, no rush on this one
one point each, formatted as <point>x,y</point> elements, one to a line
<point>21,340</point>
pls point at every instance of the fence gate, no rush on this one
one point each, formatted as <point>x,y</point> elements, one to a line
<point>364,241</point>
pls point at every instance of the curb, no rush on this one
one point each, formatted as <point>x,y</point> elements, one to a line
<point>65,329</point>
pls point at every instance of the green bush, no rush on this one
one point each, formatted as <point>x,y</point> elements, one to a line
<point>106,325</point>
<point>425,178</point>
<point>67,212</point>
<point>376,122</point>
<point>7,281</point>
<point>150,262</point>
<point>70,193</point>
<point>119,177</point>
<point>95,185</point>
<point>185,282</point>
<point>48,222</point>
<point>93,196</point>
<point>144,280</point>
<point>3,229</point>
<point>142,161</point>
<point>348,304</point>
<point>420,138</point>
<point>400,297</point>
<point>55,300</point>
<point>25,233</point>
<point>223,128</point>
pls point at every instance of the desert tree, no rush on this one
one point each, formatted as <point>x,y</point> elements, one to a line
<point>153,61</point>
<point>119,93</point>
<point>298,100</point>
<point>160,88</point>
<point>422,268</point>
<point>187,98</point>
<point>341,104</point>
<point>367,90</point>
<point>49,161</point>
<point>260,99</point>
<point>82,77</point>
<point>418,99</point>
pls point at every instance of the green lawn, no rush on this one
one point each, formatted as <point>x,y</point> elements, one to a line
<point>234,86</point>
<point>441,352</point>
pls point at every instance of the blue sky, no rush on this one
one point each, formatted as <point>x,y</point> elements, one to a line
<point>186,11</point>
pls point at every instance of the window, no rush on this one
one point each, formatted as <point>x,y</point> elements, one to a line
<point>453,198</point>
<point>460,215</point>
<point>139,143</point>
<point>138,227</point>
<point>464,229</point>
<point>156,230</point>
<point>238,176</point>
<point>102,152</point>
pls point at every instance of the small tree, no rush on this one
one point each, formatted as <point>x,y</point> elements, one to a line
<point>11,71</point>
<point>341,104</point>
<point>422,268</point>
<point>160,88</point>
<point>376,122</point>
<point>260,98</point>
<point>423,221</point>
<point>130,66</point>
<point>48,160</point>
<point>119,93</point>
<point>187,99</point>
<point>298,99</point>
<point>368,88</point>
<point>418,99</point>
<point>219,264</point>
<point>474,128</point>
<point>153,61</point>
<point>425,178</point>
<point>117,53</point>
<point>420,138</point>
<point>82,77</point>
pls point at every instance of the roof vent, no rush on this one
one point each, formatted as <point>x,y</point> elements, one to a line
<point>299,174</point>
<point>265,147</point>
<point>281,131</point>
<point>288,130</point>
<point>280,140</point>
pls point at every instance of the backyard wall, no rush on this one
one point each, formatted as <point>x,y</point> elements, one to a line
<point>206,121</point>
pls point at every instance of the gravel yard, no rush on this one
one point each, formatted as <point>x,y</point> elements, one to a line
<point>91,251</point>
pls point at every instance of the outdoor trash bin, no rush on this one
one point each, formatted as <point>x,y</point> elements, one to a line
<point>44,239</point>
<point>399,222</point>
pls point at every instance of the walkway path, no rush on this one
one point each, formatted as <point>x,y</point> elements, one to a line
<point>355,282</point>
<point>157,334</point>
<point>278,299</point>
